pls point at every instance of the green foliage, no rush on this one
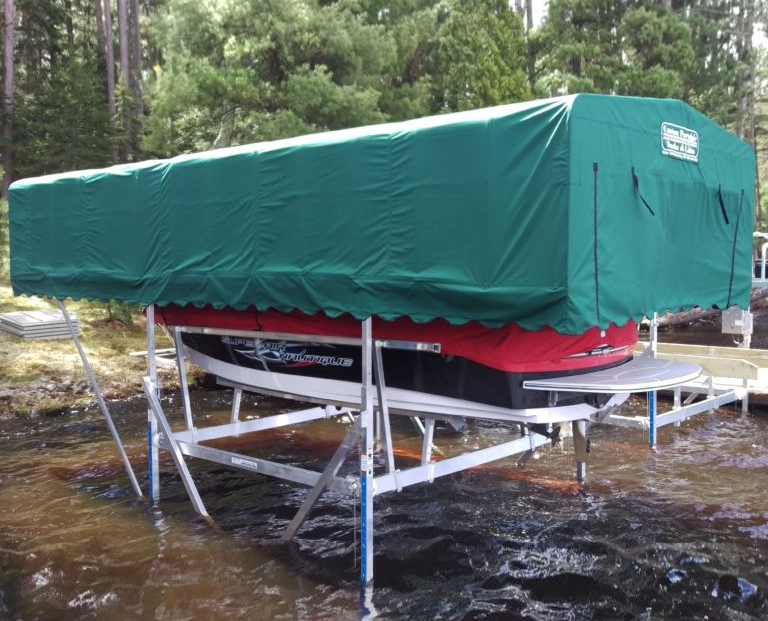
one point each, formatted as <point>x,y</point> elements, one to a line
<point>64,124</point>
<point>263,68</point>
<point>220,72</point>
<point>638,47</point>
<point>578,47</point>
<point>657,53</point>
<point>713,82</point>
<point>314,97</point>
<point>236,72</point>
<point>480,56</point>
<point>61,121</point>
<point>413,27</point>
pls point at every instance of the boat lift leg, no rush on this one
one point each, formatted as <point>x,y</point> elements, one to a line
<point>678,400</point>
<point>745,399</point>
<point>100,399</point>
<point>381,392</point>
<point>523,459</point>
<point>581,448</point>
<point>175,450</point>
<point>237,397</point>
<point>426,447</point>
<point>654,345</point>
<point>330,471</point>
<point>153,436</point>
<point>366,457</point>
<point>417,424</point>
<point>181,367</point>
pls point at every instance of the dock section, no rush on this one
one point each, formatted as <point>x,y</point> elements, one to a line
<point>729,375</point>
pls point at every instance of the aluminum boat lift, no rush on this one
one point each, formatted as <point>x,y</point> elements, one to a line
<point>370,429</point>
<point>371,426</point>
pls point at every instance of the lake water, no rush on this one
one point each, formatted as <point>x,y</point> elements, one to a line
<point>677,533</point>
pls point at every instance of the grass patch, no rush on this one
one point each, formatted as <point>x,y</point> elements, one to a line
<point>40,376</point>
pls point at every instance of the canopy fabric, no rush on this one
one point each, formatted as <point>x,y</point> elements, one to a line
<point>507,348</point>
<point>573,212</point>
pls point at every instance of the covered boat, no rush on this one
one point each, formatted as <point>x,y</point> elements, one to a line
<point>524,240</point>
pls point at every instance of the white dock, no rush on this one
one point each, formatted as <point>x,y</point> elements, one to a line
<point>37,325</point>
<point>729,375</point>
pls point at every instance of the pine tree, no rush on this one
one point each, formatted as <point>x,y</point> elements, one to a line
<point>9,38</point>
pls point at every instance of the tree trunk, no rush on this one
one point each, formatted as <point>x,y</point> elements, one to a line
<point>70,26</point>
<point>99,27</point>
<point>125,61</point>
<point>126,96</point>
<point>110,47</point>
<point>136,56</point>
<point>528,29</point>
<point>746,69</point>
<point>8,94</point>
<point>226,126</point>
<point>528,15</point>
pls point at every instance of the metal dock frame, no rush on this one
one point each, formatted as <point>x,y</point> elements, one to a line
<point>728,376</point>
<point>371,426</point>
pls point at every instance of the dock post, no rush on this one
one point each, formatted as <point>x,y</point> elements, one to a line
<point>153,448</point>
<point>237,399</point>
<point>366,457</point>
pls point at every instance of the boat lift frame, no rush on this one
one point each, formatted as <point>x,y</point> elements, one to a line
<point>371,426</point>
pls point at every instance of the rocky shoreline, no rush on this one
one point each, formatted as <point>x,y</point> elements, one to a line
<point>51,396</point>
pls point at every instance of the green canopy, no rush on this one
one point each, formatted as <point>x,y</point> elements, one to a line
<point>569,212</point>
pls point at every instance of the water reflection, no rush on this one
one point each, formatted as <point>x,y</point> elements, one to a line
<point>677,533</point>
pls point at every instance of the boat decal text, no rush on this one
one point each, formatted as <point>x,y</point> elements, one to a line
<point>284,353</point>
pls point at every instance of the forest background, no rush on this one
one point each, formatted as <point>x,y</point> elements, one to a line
<point>89,83</point>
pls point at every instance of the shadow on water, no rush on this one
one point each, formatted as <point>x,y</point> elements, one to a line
<point>680,533</point>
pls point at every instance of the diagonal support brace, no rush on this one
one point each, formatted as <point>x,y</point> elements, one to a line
<point>330,471</point>
<point>378,373</point>
<point>178,456</point>
<point>100,399</point>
